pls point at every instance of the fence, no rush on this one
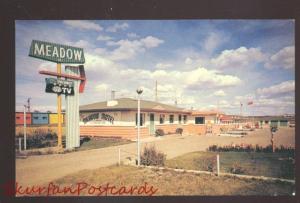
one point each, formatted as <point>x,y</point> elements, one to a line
<point>32,144</point>
<point>252,165</point>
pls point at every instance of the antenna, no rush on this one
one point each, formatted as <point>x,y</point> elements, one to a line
<point>28,104</point>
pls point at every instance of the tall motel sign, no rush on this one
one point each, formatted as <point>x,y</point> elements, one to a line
<point>69,84</point>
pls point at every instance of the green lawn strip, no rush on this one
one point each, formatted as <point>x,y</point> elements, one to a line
<point>277,165</point>
<point>95,143</point>
<point>175,183</point>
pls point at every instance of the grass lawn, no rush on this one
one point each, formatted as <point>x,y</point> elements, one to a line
<point>101,142</point>
<point>278,165</point>
<point>93,143</point>
<point>174,183</point>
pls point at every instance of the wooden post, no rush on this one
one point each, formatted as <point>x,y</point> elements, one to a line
<point>59,128</point>
<point>25,122</point>
<point>119,156</point>
<point>20,144</point>
<point>218,164</point>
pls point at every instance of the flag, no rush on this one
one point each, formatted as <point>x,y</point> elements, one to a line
<point>250,102</point>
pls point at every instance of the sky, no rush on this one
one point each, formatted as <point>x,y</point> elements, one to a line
<point>201,64</point>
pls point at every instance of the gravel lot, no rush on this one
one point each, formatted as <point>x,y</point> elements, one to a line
<point>36,170</point>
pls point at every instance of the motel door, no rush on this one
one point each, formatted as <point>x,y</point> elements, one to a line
<point>152,127</point>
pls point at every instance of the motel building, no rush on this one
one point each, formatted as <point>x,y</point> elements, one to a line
<point>276,121</point>
<point>118,118</point>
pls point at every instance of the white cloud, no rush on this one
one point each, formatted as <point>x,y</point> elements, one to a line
<point>219,93</point>
<point>188,61</point>
<point>279,89</point>
<point>101,87</point>
<point>169,81</point>
<point>150,42</point>
<point>238,58</point>
<point>82,44</point>
<point>83,25</point>
<point>98,63</point>
<point>132,35</point>
<point>284,58</point>
<point>129,49</point>
<point>104,38</point>
<point>163,65</point>
<point>117,26</point>
<point>126,50</point>
<point>213,40</point>
<point>203,78</point>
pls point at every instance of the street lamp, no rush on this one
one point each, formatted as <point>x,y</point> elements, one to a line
<point>139,91</point>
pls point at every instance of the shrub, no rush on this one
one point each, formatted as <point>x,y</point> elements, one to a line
<point>236,169</point>
<point>84,139</point>
<point>223,129</point>
<point>159,132</point>
<point>207,164</point>
<point>151,156</point>
<point>179,131</point>
<point>250,148</point>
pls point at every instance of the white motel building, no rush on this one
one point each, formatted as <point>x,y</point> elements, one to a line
<point>118,118</point>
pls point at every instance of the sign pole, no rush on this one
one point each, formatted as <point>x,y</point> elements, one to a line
<point>59,129</point>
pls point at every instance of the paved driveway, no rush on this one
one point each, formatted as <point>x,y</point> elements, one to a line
<point>42,169</point>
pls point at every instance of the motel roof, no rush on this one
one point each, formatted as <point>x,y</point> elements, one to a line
<point>207,113</point>
<point>127,104</point>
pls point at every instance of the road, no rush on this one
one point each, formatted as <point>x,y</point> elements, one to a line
<point>38,170</point>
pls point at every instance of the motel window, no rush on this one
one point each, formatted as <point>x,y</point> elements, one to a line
<point>171,119</point>
<point>184,119</point>
<point>179,119</point>
<point>199,120</point>
<point>161,118</point>
<point>44,118</point>
<point>142,119</point>
<point>35,117</point>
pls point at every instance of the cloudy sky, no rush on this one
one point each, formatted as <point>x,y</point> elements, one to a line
<point>204,64</point>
